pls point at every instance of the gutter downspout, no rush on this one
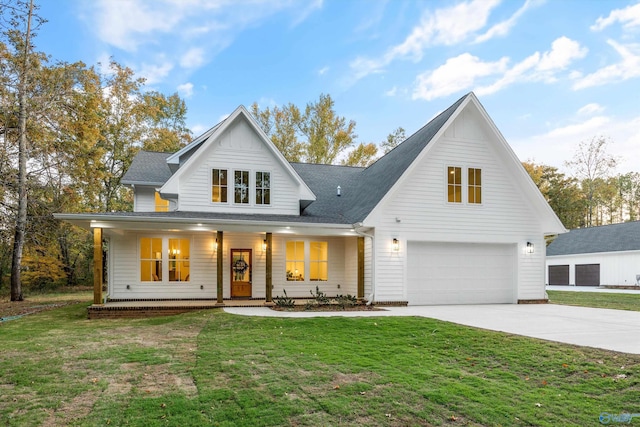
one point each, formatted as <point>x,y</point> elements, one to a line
<point>373,260</point>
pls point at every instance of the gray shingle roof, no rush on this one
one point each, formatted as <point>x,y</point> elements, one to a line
<point>361,188</point>
<point>148,168</point>
<point>606,238</point>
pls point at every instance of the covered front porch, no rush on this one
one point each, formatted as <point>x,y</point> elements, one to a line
<point>219,265</point>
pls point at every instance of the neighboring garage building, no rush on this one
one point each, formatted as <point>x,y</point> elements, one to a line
<point>595,256</point>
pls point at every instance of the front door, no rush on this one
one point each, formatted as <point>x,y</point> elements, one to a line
<point>240,273</point>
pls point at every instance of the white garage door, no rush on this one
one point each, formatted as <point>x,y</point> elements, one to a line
<point>455,273</point>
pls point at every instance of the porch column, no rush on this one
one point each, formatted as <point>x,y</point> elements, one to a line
<point>97,266</point>
<point>219,267</point>
<point>360,267</point>
<point>268,279</point>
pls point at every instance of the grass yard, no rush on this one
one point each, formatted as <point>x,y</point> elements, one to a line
<point>213,368</point>
<point>597,299</point>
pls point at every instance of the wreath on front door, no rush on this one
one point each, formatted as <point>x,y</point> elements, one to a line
<point>240,266</point>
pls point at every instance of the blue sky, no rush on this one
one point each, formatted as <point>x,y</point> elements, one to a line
<point>550,73</point>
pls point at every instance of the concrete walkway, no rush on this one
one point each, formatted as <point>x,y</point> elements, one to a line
<point>615,330</point>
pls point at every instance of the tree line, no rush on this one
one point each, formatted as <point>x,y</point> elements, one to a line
<point>69,131</point>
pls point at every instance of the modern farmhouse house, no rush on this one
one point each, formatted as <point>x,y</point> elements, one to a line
<point>449,216</point>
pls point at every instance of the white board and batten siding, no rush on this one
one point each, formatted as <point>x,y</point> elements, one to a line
<point>495,232</point>
<point>238,148</point>
<point>616,268</point>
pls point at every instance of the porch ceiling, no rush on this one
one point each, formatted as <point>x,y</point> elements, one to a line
<point>120,225</point>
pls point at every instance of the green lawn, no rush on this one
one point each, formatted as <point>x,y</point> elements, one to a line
<point>597,299</point>
<point>213,368</point>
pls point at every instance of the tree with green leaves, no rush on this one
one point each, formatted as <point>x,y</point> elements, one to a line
<point>563,194</point>
<point>327,134</point>
<point>318,135</point>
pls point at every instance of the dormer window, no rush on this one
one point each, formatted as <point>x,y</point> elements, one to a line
<point>161,204</point>
<point>219,186</point>
<point>263,188</point>
<point>241,187</point>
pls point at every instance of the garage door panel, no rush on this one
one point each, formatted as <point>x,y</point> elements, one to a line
<point>453,273</point>
<point>587,274</point>
<point>559,274</point>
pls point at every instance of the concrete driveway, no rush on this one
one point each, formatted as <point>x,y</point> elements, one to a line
<point>615,330</point>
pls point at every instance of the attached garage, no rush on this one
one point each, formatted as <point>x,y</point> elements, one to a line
<point>559,275</point>
<point>460,273</point>
<point>587,274</point>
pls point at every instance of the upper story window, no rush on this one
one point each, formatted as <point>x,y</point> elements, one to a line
<point>241,187</point>
<point>475,185</point>
<point>219,186</point>
<point>457,183</point>
<point>263,188</point>
<point>318,261</point>
<point>295,261</point>
<point>454,184</point>
<point>162,205</point>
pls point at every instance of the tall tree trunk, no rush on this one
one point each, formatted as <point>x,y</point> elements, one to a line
<point>21,219</point>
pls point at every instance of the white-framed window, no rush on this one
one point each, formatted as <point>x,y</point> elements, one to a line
<point>263,188</point>
<point>219,185</point>
<point>164,259</point>
<point>464,185</point>
<point>318,261</point>
<point>241,187</point>
<point>150,259</point>
<point>474,185</point>
<point>294,260</point>
<point>454,184</point>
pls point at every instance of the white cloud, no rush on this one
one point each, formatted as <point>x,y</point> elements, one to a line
<point>323,70</point>
<point>302,15</point>
<point>627,68</point>
<point>456,74</point>
<point>629,17</point>
<point>502,28</point>
<point>558,145</point>
<point>563,52</point>
<point>190,31</point>
<point>186,90</point>
<point>154,73</point>
<point>465,71</point>
<point>588,127</point>
<point>193,58</point>
<point>445,26</point>
<point>392,92</point>
<point>590,109</point>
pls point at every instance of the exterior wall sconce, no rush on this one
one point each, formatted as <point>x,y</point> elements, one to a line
<point>215,245</point>
<point>395,245</point>
<point>530,248</point>
<point>264,245</point>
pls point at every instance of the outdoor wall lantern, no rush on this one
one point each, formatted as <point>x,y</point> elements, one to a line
<point>395,245</point>
<point>530,248</point>
<point>215,245</point>
<point>264,245</point>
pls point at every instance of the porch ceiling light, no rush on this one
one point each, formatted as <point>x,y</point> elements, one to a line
<point>395,245</point>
